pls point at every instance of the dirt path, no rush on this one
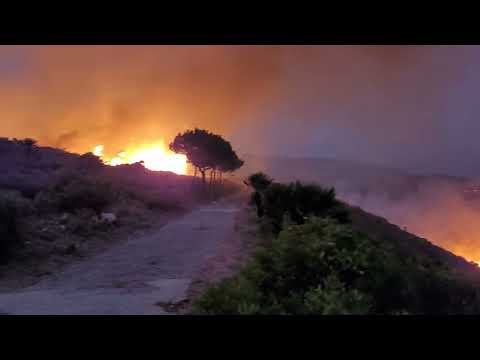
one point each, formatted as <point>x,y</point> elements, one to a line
<point>133,277</point>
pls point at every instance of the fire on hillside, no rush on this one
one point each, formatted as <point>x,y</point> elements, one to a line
<point>155,156</point>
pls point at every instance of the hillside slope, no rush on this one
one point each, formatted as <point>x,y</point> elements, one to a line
<point>411,245</point>
<point>443,209</point>
<point>323,256</point>
<point>57,207</point>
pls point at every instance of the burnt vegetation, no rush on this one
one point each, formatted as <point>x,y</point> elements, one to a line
<point>320,256</point>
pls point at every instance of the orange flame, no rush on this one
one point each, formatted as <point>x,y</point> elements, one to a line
<point>155,156</point>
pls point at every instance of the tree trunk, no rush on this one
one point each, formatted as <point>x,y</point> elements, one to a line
<point>214,184</point>
<point>194,175</point>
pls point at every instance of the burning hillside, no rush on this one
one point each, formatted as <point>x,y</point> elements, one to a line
<point>154,156</point>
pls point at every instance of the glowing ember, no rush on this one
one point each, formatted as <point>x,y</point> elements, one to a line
<point>154,156</point>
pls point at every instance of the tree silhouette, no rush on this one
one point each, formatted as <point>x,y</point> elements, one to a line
<point>259,182</point>
<point>206,152</point>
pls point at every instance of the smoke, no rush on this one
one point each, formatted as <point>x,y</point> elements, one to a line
<point>408,107</point>
<point>77,96</point>
<point>438,212</point>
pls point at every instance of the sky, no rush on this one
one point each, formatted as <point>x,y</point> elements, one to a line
<point>410,107</point>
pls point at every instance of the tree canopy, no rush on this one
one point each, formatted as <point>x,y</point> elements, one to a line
<point>206,151</point>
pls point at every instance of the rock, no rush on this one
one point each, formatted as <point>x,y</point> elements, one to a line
<point>108,217</point>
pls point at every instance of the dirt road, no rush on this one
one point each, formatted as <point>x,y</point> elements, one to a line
<point>133,277</point>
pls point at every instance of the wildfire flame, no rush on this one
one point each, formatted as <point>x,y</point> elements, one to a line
<point>155,156</point>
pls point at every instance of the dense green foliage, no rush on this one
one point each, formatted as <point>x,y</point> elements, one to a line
<point>317,264</point>
<point>294,201</point>
<point>259,181</point>
<point>323,267</point>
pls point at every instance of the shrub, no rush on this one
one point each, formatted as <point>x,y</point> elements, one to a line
<point>72,191</point>
<point>324,267</point>
<point>277,200</point>
<point>259,181</point>
<point>12,207</point>
<point>308,269</point>
<point>80,222</point>
<point>84,194</point>
<point>333,298</point>
<point>298,201</point>
<point>238,295</point>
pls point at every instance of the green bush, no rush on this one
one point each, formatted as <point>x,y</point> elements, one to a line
<point>317,264</point>
<point>298,201</point>
<point>308,269</point>
<point>259,181</point>
<point>333,298</point>
<point>324,267</point>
